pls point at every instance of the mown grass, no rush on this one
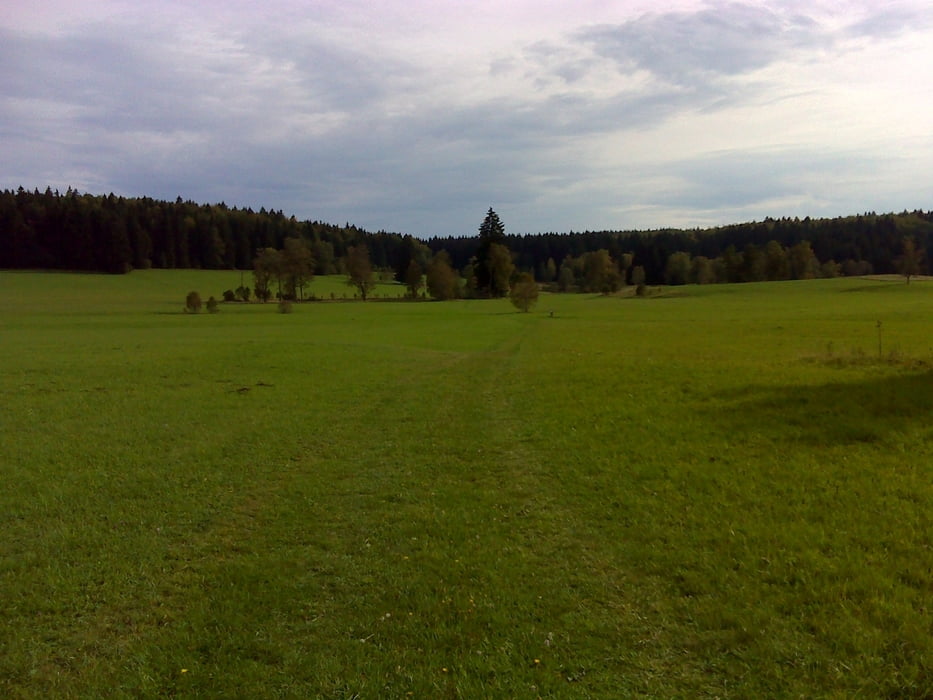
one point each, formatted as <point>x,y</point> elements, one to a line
<point>690,495</point>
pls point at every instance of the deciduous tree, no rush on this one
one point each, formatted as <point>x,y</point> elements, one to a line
<point>732,264</point>
<point>409,249</point>
<point>267,266</point>
<point>360,270</point>
<point>414,278</point>
<point>600,273</point>
<point>754,264</point>
<point>297,266</point>
<point>193,302</point>
<point>677,270</point>
<point>470,289</point>
<point>911,259</point>
<point>443,282</point>
<point>775,261</point>
<point>500,269</point>
<point>524,293</point>
<point>625,264</point>
<point>566,278</point>
<point>638,275</point>
<point>802,262</point>
<point>701,270</point>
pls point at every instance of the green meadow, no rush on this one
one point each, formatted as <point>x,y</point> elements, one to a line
<point>719,491</point>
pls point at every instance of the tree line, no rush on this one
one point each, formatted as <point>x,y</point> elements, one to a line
<point>490,273</point>
<point>74,231</point>
<point>852,245</point>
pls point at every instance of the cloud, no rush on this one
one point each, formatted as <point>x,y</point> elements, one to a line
<point>685,47</point>
<point>891,21</point>
<point>729,179</point>
<point>415,119</point>
<point>730,186</point>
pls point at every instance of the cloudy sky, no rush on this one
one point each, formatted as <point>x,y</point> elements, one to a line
<point>417,115</point>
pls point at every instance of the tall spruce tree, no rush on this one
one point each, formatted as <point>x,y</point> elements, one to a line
<point>491,231</point>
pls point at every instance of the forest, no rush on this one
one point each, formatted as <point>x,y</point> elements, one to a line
<point>109,233</point>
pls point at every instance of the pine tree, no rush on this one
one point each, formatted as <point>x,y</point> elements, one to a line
<point>490,232</point>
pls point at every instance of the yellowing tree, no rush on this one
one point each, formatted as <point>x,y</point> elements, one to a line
<point>360,270</point>
<point>500,269</point>
<point>443,282</point>
<point>911,259</point>
<point>524,293</point>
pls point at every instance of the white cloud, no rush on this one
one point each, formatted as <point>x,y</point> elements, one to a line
<point>417,116</point>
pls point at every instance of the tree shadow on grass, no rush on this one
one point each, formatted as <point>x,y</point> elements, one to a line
<point>833,413</point>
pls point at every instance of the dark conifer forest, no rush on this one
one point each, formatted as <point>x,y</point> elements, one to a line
<point>85,232</point>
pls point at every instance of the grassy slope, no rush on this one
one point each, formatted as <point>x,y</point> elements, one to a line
<point>689,495</point>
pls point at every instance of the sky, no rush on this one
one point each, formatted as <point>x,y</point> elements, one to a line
<point>416,116</point>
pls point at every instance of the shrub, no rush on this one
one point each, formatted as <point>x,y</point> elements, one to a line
<point>193,303</point>
<point>212,307</point>
<point>442,281</point>
<point>229,295</point>
<point>242,293</point>
<point>524,293</point>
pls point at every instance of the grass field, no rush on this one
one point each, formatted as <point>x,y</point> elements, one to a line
<point>718,491</point>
